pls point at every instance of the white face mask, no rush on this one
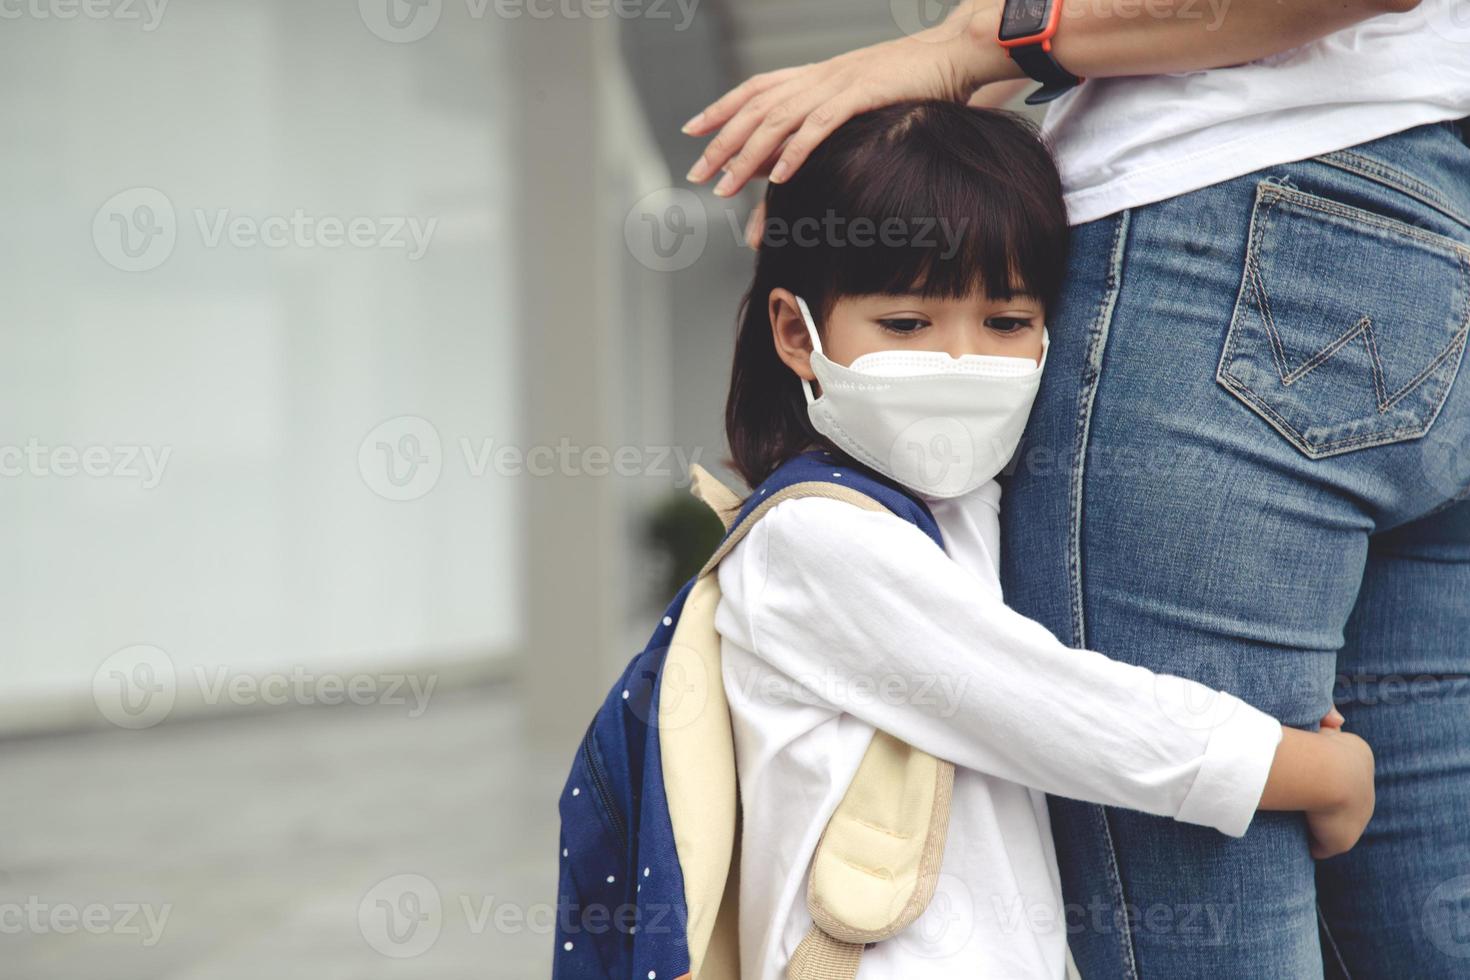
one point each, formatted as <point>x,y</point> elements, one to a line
<point>939,425</point>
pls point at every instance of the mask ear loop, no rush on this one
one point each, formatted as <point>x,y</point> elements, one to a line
<point>811,329</point>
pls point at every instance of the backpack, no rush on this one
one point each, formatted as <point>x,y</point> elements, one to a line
<point>649,867</point>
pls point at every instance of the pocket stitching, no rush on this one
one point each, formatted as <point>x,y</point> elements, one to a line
<point>1272,194</point>
<point>1326,448</point>
<point>1249,396</point>
<point>1258,285</point>
<point>1394,178</point>
<point>1365,327</point>
<point>1458,340</point>
<point>1343,339</point>
<point>1390,225</point>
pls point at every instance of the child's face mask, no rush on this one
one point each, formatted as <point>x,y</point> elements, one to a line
<point>939,425</point>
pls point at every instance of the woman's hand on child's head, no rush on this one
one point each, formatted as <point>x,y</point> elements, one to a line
<point>772,121</point>
<point>1335,827</point>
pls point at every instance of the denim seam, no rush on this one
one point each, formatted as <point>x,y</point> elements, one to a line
<point>1258,285</point>
<point>1394,178</point>
<point>1092,372</point>
<point>1332,942</point>
<point>1249,279</point>
<point>1380,387</point>
<point>1271,195</point>
<point>1302,199</point>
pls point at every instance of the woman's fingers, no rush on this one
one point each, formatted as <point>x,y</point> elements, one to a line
<point>731,137</point>
<point>720,111</point>
<point>800,107</point>
<point>732,142</point>
<point>1333,720</point>
<point>817,126</point>
<point>750,136</point>
<point>764,130</point>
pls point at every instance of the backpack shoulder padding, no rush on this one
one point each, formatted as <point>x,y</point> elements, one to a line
<point>697,749</point>
<point>812,474</point>
<point>878,862</point>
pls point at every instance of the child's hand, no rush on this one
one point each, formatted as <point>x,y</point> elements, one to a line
<point>1336,827</point>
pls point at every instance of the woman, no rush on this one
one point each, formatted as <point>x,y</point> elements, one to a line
<point>1249,460</point>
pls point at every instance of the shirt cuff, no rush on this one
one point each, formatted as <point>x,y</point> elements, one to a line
<point>1232,776</point>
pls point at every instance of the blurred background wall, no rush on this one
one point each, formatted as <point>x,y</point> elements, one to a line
<point>349,350</point>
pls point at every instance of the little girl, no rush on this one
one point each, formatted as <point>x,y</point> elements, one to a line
<point>897,322</point>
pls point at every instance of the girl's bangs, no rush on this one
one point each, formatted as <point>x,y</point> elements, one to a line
<point>944,235</point>
<point>937,203</point>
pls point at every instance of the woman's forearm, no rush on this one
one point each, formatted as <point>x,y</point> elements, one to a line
<point>783,115</point>
<point>1104,38</point>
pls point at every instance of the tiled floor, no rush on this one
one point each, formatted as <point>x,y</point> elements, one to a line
<point>310,844</point>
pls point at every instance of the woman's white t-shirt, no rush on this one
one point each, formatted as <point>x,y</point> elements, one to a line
<point>836,621</point>
<point>1124,142</point>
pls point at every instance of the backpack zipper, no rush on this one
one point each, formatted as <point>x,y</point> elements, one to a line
<point>604,792</point>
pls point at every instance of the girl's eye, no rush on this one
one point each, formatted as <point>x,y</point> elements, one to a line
<point>1008,324</point>
<point>903,325</point>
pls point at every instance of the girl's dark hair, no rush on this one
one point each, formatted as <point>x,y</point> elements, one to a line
<point>930,197</point>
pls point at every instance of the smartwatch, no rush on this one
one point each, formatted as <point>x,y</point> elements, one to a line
<point>1026,30</point>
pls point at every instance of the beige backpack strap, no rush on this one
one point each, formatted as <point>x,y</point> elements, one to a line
<point>697,751</point>
<point>814,488</point>
<point>820,957</point>
<point>720,498</point>
<point>877,863</point>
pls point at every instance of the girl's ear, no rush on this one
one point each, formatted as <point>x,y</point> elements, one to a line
<point>788,330</point>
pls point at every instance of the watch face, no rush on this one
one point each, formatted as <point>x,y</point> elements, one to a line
<point>1023,18</point>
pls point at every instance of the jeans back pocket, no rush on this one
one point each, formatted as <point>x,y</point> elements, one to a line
<point>1349,326</point>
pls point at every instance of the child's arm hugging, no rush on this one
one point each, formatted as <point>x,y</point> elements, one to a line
<point>864,612</point>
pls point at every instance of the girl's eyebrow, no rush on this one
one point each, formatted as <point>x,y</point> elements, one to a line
<point>904,313</point>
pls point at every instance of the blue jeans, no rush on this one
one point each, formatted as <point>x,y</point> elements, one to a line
<point>1249,464</point>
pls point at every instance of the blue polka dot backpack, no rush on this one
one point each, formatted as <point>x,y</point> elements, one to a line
<point>650,814</point>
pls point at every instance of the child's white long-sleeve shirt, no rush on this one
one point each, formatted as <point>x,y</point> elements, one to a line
<point>836,621</point>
